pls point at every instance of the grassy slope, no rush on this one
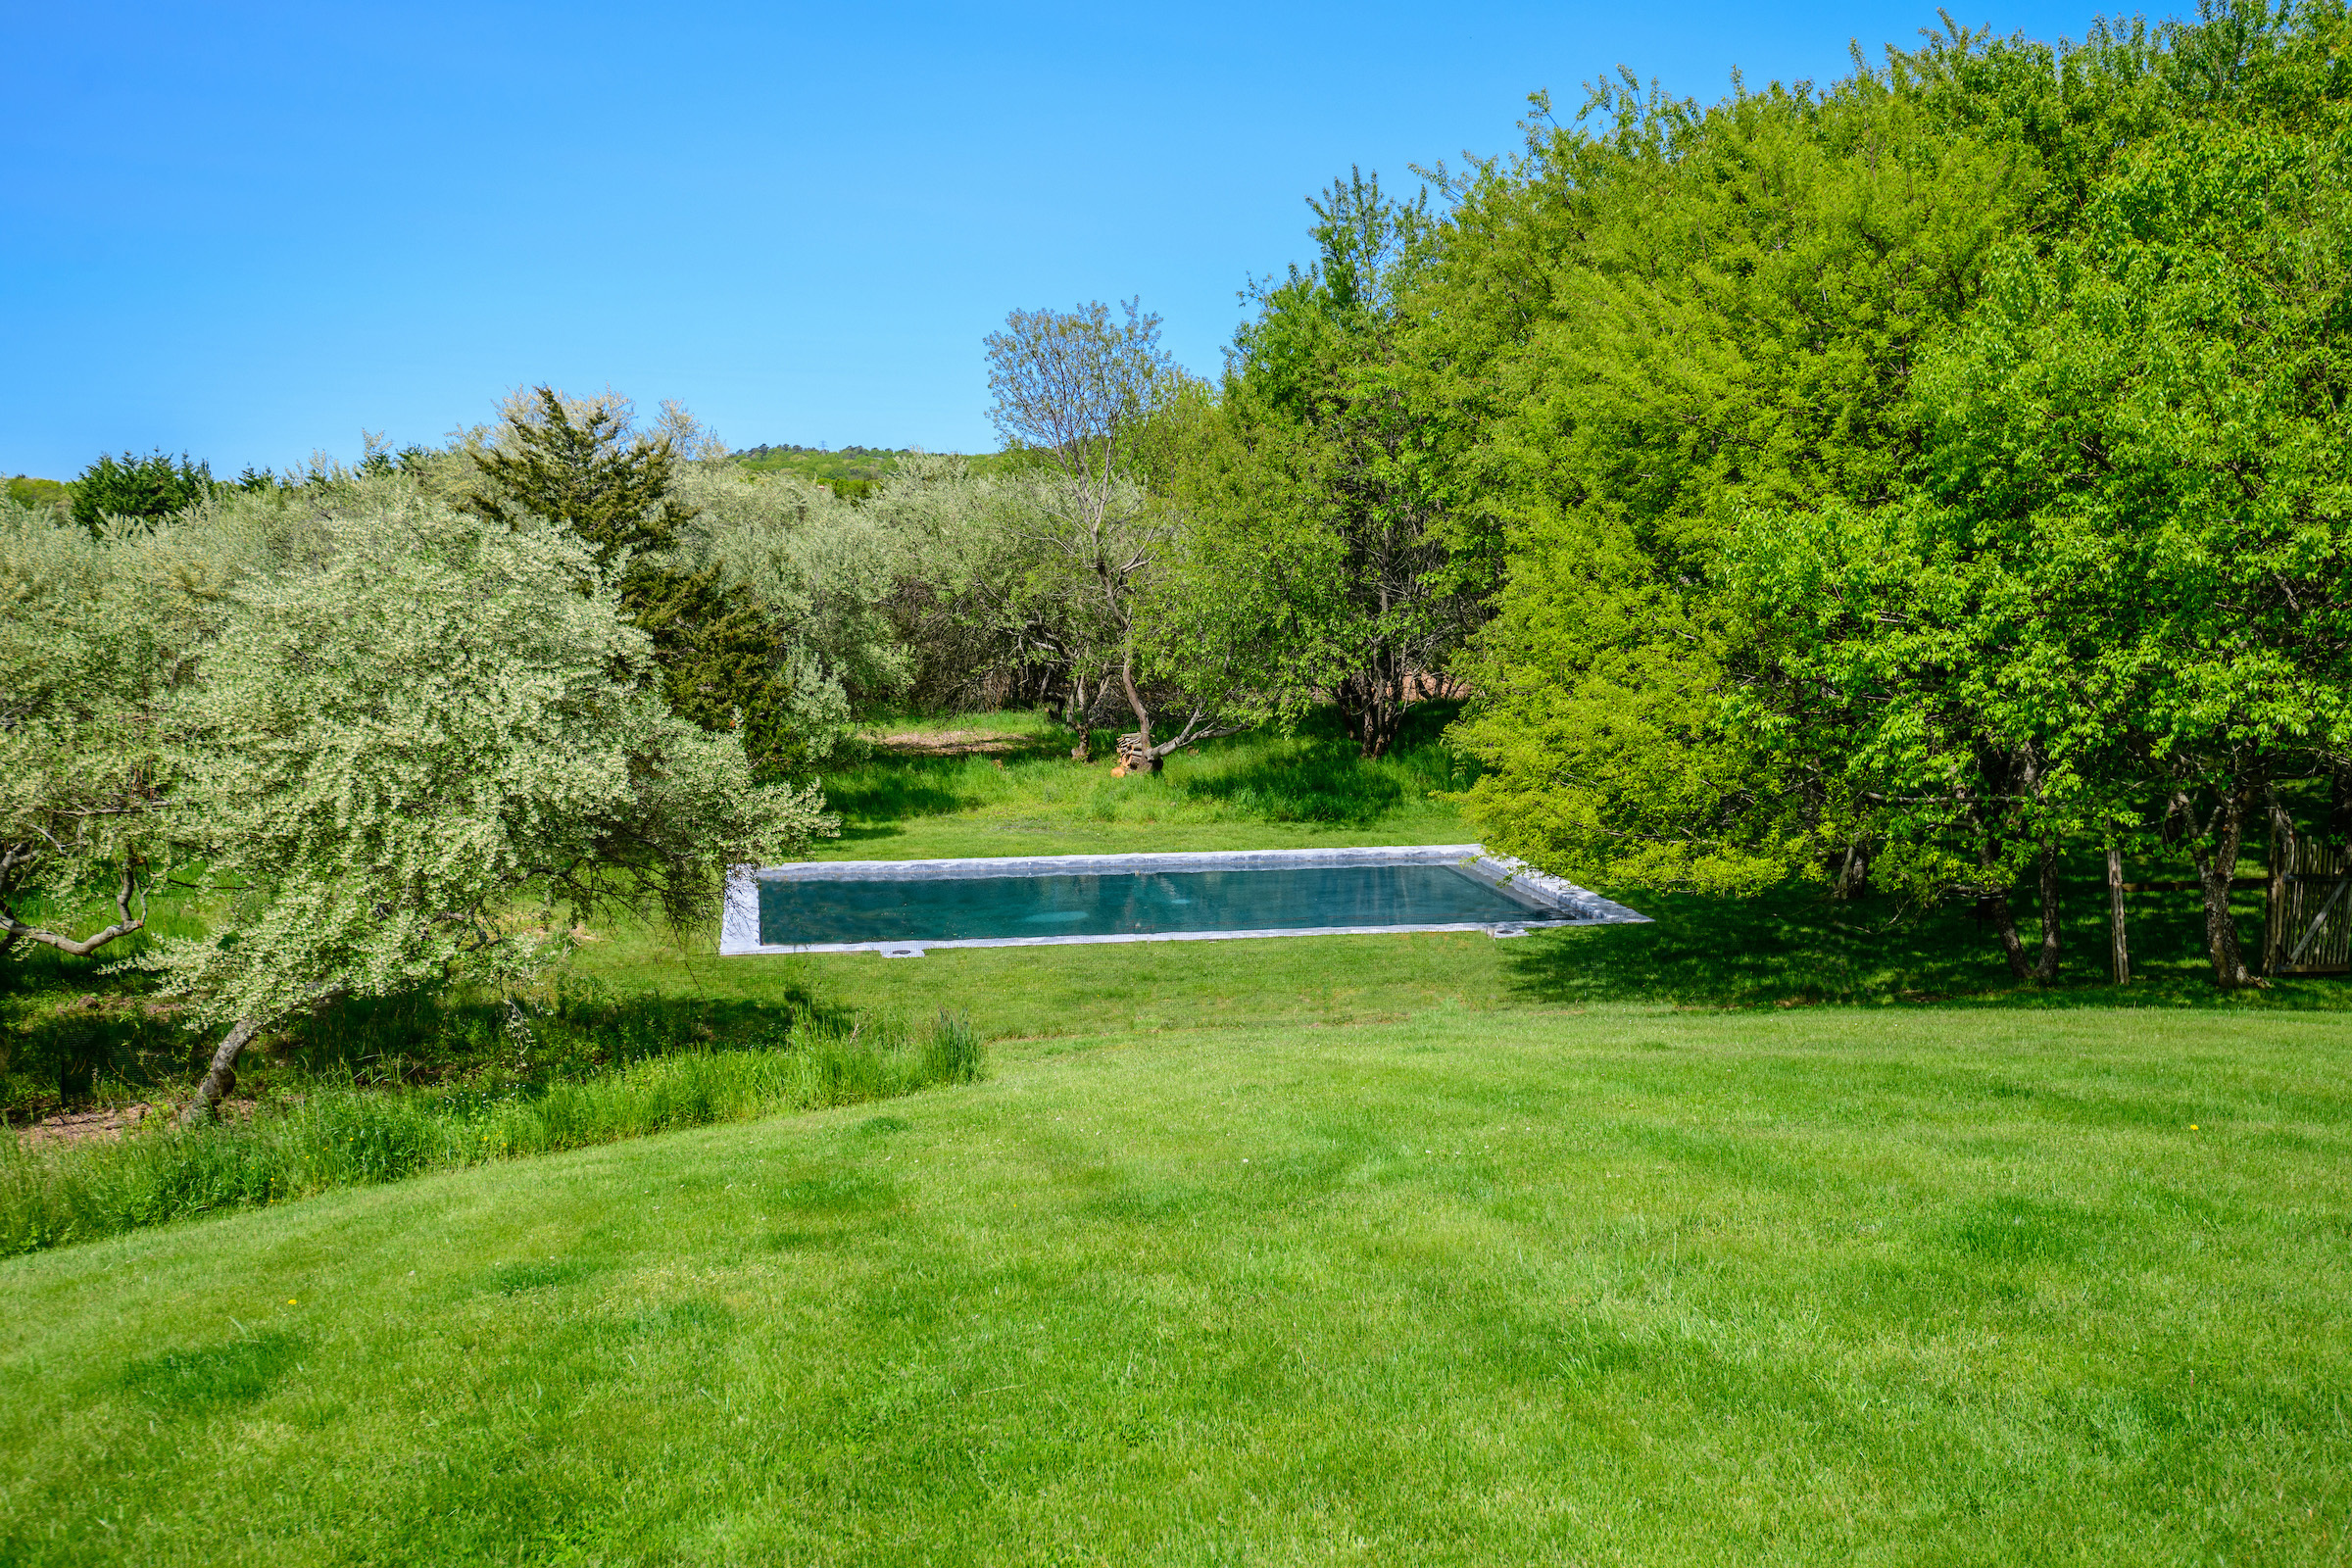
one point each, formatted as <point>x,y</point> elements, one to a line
<point>1612,1285</point>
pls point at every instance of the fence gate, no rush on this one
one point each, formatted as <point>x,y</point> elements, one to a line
<point>2308,929</point>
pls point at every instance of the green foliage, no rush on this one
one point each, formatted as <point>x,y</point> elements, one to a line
<point>857,474</point>
<point>802,578</point>
<point>2117,607</point>
<point>1918,475</point>
<point>421,722</point>
<point>1737,297</point>
<point>1318,512</point>
<point>1096,404</point>
<point>149,488</point>
<point>579,464</point>
<point>756,627</point>
<point>89,654</point>
<point>972,605</point>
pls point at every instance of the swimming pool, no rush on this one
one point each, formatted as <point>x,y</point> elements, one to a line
<point>901,907</point>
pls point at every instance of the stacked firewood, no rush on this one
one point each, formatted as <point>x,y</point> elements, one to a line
<point>1135,756</point>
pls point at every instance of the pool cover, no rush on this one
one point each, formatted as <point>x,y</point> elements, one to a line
<point>904,906</point>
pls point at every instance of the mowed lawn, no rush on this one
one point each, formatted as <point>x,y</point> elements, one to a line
<point>1614,1285</point>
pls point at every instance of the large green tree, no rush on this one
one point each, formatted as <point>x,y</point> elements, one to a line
<point>1733,303</point>
<point>1858,461</point>
<point>1335,476</point>
<point>2120,605</point>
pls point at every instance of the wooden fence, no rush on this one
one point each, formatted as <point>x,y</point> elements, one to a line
<point>2308,925</point>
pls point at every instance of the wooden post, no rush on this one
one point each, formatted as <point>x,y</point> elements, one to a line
<point>2118,953</point>
<point>2274,936</point>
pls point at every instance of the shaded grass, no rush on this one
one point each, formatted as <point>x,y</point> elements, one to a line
<point>347,1135</point>
<point>1795,945</point>
<point>1629,1285</point>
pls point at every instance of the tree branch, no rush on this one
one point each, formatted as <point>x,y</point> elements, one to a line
<point>15,930</point>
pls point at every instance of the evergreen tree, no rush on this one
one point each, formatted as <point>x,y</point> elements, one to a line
<point>579,464</point>
<point>152,487</point>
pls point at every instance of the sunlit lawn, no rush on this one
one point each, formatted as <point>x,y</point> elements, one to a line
<point>1549,1287</point>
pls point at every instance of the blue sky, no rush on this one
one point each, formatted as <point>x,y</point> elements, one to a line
<point>249,231</point>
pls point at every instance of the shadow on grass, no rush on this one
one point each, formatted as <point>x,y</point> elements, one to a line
<point>1314,782</point>
<point>877,793</point>
<point>1793,947</point>
<point>82,1038</point>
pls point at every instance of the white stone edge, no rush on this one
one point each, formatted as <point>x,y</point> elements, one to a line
<point>916,948</point>
<point>1110,865</point>
<point>1542,893</point>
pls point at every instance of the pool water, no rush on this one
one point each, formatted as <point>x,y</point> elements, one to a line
<point>1129,902</point>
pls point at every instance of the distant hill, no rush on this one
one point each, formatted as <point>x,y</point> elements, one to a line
<point>851,473</point>
<point>29,492</point>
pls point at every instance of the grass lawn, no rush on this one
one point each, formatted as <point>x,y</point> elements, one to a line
<point>1559,1286</point>
<point>1775,1231</point>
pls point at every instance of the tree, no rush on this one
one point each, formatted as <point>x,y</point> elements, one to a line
<point>807,576</point>
<point>84,677</point>
<point>152,487</point>
<point>718,658</point>
<point>1346,441</point>
<point>2110,608</point>
<point>429,721</point>
<point>1078,389</point>
<point>26,491</point>
<point>1734,300</point>
<point>580,464</point>
<point>2143,435</point>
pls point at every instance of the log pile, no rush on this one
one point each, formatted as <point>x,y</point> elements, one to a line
<point>1135,756</point>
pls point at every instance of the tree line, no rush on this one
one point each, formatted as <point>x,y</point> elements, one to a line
<point>1918,479</point>
<point>1913,481</point>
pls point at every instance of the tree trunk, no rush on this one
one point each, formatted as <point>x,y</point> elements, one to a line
<point>1994,905</point>
<point>2004,926</point>
<point>2045,968</point>
<point>2118,957</point>
<point>1853,878</point>
<point>1372,705</point>
<point>222,1075</point>
<point>2215,858</point>
<point>1135,700</point>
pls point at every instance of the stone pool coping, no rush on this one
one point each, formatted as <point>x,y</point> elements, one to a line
<point>1550,900</point>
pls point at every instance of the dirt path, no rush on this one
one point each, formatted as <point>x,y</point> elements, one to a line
<point>955,743</point>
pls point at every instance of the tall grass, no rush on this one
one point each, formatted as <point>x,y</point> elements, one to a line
<point>344,1135</point>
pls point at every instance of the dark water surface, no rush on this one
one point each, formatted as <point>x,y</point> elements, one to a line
<point>1127,903</point>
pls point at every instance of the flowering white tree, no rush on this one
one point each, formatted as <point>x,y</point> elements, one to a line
<point>83,781</point>
<point>395,746</point>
